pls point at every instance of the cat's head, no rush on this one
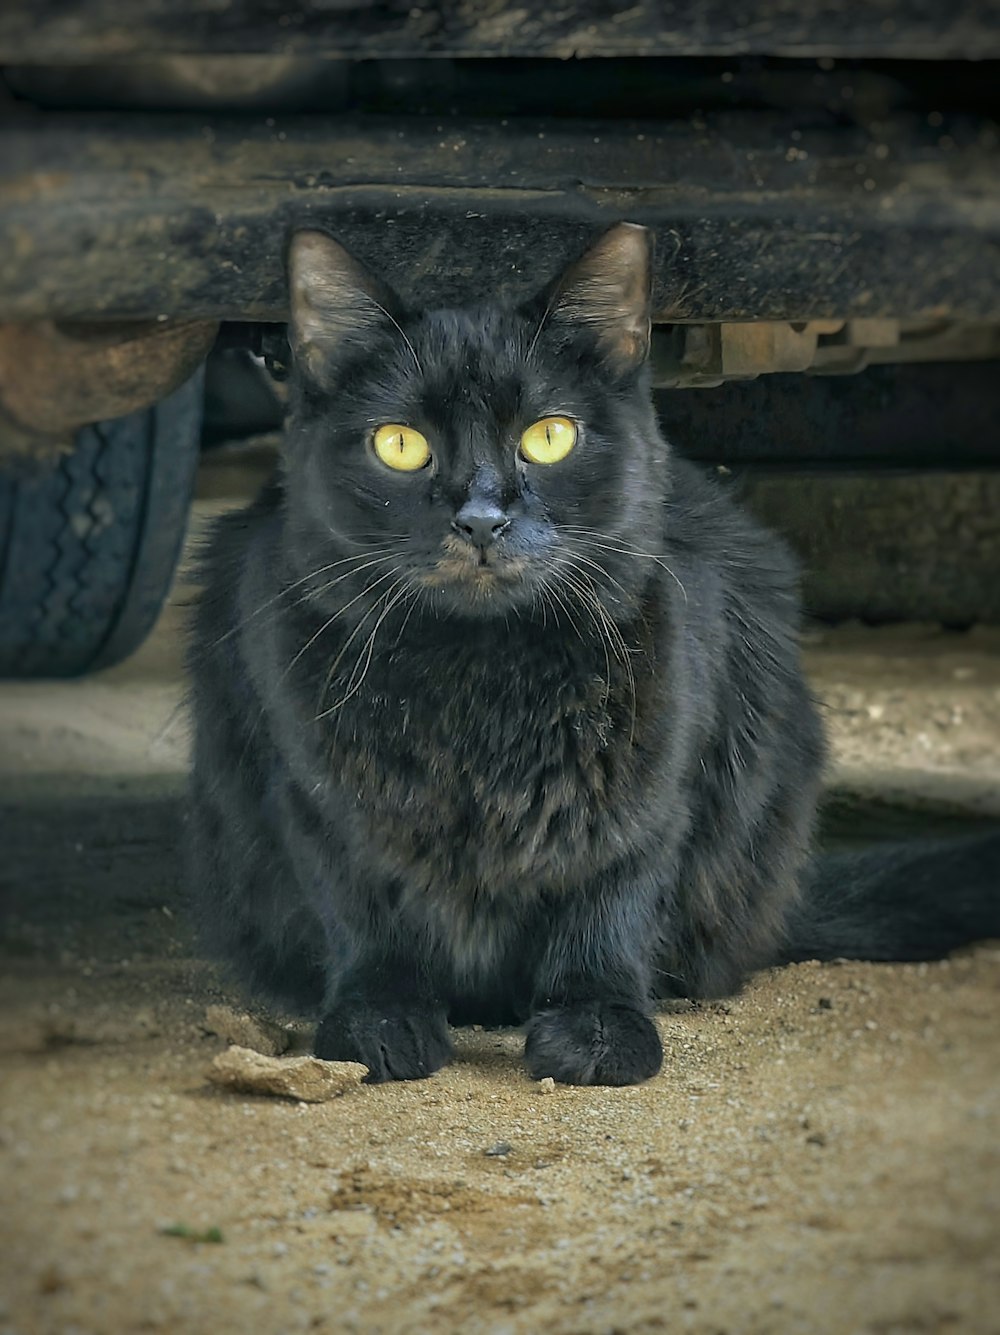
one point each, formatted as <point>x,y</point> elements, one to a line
<point>494,458</point>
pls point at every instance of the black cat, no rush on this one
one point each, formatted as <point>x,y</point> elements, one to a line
<point>498,708</point>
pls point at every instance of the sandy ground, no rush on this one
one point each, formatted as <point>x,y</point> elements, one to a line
<point>818,1155</point>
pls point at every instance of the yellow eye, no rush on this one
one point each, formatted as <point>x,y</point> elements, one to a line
<point>401,447</point>
<point>549,440</point>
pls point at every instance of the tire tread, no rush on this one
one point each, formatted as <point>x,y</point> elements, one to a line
<point>88,549</point>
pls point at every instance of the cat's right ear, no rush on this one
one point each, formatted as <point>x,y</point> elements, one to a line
<point>333,301</point>
<point>607,292</point>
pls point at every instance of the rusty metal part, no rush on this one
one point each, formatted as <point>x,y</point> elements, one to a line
<point>701,356</point>
<point>55,378</point>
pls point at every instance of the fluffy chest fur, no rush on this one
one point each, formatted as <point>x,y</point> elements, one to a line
<point>489,769</point>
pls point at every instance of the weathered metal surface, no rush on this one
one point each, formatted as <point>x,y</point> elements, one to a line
<point>56,378</point>
<point>75,30</point>
<point>754,217</point>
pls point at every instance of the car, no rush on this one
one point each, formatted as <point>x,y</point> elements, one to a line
<point>823,182</point>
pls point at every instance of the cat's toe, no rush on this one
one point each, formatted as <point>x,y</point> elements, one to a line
<point>394,1044</point>
<point>593,1044</point>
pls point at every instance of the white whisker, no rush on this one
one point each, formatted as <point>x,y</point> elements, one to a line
<point>603,541</point>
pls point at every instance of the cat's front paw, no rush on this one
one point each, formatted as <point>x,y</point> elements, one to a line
<point>393,1041</point>
<point>597,1043</point>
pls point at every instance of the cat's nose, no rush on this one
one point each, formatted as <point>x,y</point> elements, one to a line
<point>480,522</point>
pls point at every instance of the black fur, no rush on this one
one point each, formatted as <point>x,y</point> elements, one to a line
<point>547,782</point>
<point>913,901</point>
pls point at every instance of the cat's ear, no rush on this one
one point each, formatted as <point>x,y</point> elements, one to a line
<point>607,291</point>
<point>333,300</point>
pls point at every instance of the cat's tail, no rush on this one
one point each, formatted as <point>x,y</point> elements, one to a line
<point>905,901</point>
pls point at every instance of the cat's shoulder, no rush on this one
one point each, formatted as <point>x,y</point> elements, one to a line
<point>223,560</point>
<point>705,521</point>
<point>222,553</point>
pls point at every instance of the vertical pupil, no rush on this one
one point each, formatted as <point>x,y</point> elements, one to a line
<point>548,435</point>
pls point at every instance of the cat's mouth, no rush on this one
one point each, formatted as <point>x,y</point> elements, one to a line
<point>472,572</point>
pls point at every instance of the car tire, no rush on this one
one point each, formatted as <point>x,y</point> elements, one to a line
<point>88,548</point>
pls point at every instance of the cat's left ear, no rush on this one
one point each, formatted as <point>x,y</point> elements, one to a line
<point>333,300</point>
<point>607,291</point>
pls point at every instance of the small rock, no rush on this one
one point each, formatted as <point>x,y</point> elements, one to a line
<point>546,1085</point>
<point>247,1031</point>
<point>498,1151</point>
<point>305,1078</point>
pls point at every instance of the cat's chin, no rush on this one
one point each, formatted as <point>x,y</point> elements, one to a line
<point>473,588</point>
<point>479,600</point>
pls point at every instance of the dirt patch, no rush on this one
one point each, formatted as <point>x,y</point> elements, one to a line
<point>400,1202</point>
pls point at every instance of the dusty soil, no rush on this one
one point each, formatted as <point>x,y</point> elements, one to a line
<point>818,1155</point>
